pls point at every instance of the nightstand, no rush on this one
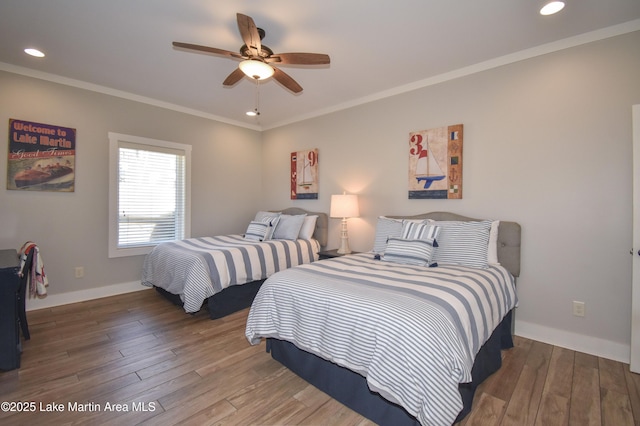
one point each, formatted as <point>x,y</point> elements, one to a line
<point>329,254</point>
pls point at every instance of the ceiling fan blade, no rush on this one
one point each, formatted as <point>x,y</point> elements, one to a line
<point>287,81</point>
<point>207,49</point>
<point>249,33</point>
<point>233,78</point>
<point>300,58</point>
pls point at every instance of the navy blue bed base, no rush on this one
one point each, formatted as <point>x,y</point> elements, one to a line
<point>351,388</point>
<point>232,299</point>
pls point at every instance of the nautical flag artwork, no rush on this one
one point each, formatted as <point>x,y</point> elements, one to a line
<point>304,175</point>
<point>435,163</point>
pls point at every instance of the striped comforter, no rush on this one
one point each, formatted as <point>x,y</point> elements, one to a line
<point>198,268</point>
<point>412,331</point>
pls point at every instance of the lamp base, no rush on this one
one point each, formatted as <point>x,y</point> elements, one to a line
<point>344,239</point>
<point>344,247</point>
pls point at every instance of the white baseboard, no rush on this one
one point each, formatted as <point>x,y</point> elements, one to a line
<point>577,342</point>
<point>52,300</point>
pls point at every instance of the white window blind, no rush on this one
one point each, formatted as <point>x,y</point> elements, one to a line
<point>151,193</point>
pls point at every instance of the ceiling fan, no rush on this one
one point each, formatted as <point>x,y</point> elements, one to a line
<point>258,60</point>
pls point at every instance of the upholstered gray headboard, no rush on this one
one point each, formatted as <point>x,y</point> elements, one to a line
<point>508,238</point>
<point>321,233</point>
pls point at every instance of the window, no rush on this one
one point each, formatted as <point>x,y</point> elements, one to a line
<point>149,183</point>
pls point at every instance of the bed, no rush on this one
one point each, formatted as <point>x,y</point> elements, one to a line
<point>224,273</point>
<point>399,342</point>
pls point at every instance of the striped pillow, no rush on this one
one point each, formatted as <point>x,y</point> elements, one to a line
<point>410,252</point>
<point>262,215</point>
<point>462,243</point>
<point>420,231</point>
<point>386,228</point>
<point>257,231</point>
<point>272,222</point>
<point>272,218</point>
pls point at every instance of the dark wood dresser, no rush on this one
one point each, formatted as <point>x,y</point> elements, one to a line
<point>10,345</point>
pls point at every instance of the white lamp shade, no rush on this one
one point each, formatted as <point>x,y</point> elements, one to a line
<point>256,69</point>
<point>344,205</point>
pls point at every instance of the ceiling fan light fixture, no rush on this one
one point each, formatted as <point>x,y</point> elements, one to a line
<point>552,7</point>
<point>256,69</point>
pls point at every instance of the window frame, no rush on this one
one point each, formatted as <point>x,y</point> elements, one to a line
<point>114,144</point>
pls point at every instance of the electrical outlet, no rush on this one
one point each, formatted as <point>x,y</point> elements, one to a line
<point>79,271</point>
<point>578,308</point>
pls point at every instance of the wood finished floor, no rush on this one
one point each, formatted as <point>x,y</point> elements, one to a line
<point>140,351</point>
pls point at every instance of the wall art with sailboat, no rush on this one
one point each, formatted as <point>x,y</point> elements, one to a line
<point>435,163</point>
<point>304,175</point>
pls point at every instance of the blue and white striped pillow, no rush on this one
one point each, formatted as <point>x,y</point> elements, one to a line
<point>410,252</point>
<point>272,218</point>
<point>462,243</point>
<point>386,228</point>
<point>257,231</point>
<point>420,231</point>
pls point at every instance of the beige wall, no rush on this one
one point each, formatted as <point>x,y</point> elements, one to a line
<point>547,143</point>
<point>71,228</point>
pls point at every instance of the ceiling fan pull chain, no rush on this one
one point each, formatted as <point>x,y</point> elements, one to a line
<point>257,96</point>
<point>257,110</point>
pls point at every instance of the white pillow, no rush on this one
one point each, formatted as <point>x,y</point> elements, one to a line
<point>308,226</point>
<point>288,227</point>
<point>385,228</point>
<point>492,253</point>
<point>463,243</point>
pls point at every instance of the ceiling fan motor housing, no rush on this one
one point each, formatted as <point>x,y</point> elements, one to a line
<point>264,53</point>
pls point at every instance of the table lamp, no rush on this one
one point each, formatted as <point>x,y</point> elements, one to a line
<point>344,206</point>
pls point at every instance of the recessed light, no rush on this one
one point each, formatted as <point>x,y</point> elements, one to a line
<point>552,7</point>
<point>253,113</point>
<point>34,52</point>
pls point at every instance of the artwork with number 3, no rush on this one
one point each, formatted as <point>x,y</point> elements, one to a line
<point>435,163</point>
<point>304,175</point>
